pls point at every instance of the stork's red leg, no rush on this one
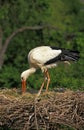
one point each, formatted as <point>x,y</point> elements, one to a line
<point>48,80</point>
<point>41,88</point>
<point>42,84</point>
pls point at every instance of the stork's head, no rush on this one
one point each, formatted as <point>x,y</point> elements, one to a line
<point>24,77</point>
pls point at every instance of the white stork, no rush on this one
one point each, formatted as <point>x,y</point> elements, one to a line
<point>45,57</point>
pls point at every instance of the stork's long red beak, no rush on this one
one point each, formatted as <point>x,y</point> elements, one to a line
<point>23,86</point>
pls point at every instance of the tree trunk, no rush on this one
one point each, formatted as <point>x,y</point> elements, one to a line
<point>0,39</point>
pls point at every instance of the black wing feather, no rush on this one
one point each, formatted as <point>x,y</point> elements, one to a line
<point>66,55</point>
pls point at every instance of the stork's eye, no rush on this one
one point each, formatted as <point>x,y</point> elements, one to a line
<point>21,78</point>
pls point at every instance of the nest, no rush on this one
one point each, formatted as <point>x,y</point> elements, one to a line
<point>51,111</point>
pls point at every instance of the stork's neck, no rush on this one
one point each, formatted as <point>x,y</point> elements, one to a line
<point>28,72</point>
<point>31,70</point>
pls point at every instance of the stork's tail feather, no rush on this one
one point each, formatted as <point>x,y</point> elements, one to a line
<point>70,55</point>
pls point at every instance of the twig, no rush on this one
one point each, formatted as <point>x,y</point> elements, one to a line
<point>35,115</point>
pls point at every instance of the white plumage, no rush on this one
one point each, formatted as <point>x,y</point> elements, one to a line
<point>43,54</point>
<point>45,57</point>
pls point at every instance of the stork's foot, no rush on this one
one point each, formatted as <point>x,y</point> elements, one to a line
<point>37,98</point>
<point>49,92</point>
<point>46,93</point>
<point>38,94</point>
<point>46,90</point>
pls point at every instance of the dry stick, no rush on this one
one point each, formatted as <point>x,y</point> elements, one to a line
<point>42,119</point>
<point>35,115</point>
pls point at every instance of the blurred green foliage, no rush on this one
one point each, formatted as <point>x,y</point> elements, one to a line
<point>67,16</point>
